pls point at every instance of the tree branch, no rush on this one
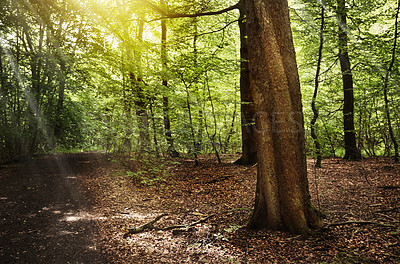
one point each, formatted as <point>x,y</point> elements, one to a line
<point>360,223</point>
<point>149,225</point>
<point>175,15</point>
<point>145,226</point>
<point>186,226</point>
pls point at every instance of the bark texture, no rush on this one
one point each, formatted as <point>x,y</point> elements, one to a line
<point>282,198</point>
<point>352,152</point>
<point>249,150</point>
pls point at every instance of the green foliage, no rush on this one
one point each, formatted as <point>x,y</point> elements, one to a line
<point>371,33</point>
<point>148,169</point>
<point>232,228</point>
<point>77,75</point>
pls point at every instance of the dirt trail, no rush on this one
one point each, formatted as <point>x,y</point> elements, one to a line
<point>44,215</point>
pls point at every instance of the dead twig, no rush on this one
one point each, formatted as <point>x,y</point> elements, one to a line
<point>149,226</point>
<point>146,226</point>
<point>187,226</point>
<point>388,217</point>
<point>214,180</point>
<point>389,187</point>
<point>388,210</point>
<point>360,223</point>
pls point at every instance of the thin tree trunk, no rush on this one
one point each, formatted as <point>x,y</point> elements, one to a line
<point>352,153</point>
<point>231,130</point>
<point>167,126</point>
<point>167,121</point>
<point>4,123</point>
<point>282,197</point>
<point>35,65</point>
<point>128,85</point>
<point>314,98</point>
<point>153,122</point>
<point>199,141</point>
<point>60,102</point>
<point>61,89</point>
<point>249,152</point>
<point>212,137</point>
<point>385,88</point>
<point>191,125</point>
<point>140,97</point>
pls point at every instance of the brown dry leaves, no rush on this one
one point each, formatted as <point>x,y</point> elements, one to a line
<point>347,191</point>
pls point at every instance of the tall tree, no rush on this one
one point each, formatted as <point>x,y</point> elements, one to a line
<point>167,121</point>
<point>282,197</point>
<point>314,98</point>
<point>385,88</point>
<point>249,152</point>
<point>352,152</point>
<point>140,98</point>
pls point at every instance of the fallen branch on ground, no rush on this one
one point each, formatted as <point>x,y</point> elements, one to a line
<point>148,225</point>
<point>218,180</point>
<point>187,226</point>
<point>388,210</point>
<point>360,223</point>
<point>214,180</point>
<point>389,187</point>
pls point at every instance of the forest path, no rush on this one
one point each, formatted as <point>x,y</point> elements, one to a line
<point>76,208</point>
<point>44,214</point>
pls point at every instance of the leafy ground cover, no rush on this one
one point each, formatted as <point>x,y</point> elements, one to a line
<point>360,201</point>
<point>195,214</point>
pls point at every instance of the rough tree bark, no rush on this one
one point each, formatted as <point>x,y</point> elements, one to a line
<point>352,152</point>
<point>249,151</point>
<point>282,197</point>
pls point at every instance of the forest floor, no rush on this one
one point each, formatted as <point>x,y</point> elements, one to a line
<point>80,208</point>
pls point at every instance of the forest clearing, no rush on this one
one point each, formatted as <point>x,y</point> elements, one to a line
<point>359,200</point>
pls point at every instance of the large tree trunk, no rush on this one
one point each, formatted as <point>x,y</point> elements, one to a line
<point>282,197</point>
<point>352,152</point>
<point>249,152</point>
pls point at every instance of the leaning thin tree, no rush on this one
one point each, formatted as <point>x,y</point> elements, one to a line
<point>385,86</point>
<point>282,195</point>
